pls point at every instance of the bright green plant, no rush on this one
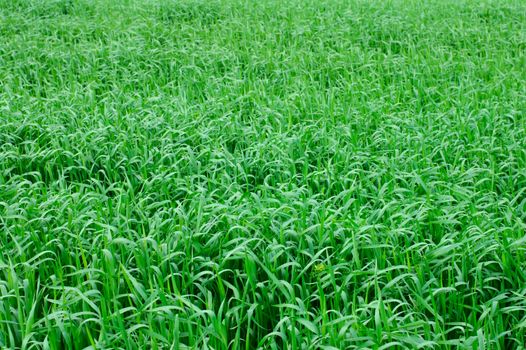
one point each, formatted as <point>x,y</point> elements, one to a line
<point>315,174</point>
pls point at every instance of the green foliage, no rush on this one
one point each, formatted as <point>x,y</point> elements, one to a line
<point>262,174</point>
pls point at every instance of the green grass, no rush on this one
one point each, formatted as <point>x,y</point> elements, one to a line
<point>314,174</point>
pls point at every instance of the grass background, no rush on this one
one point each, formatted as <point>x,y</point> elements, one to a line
<point>262,174</point>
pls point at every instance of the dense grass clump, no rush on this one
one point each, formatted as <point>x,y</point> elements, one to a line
<point>267,174</point>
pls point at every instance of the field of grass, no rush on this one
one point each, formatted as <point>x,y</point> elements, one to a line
<point>242,174</point>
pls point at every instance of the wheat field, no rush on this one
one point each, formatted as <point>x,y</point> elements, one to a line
<point>241,174</point>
